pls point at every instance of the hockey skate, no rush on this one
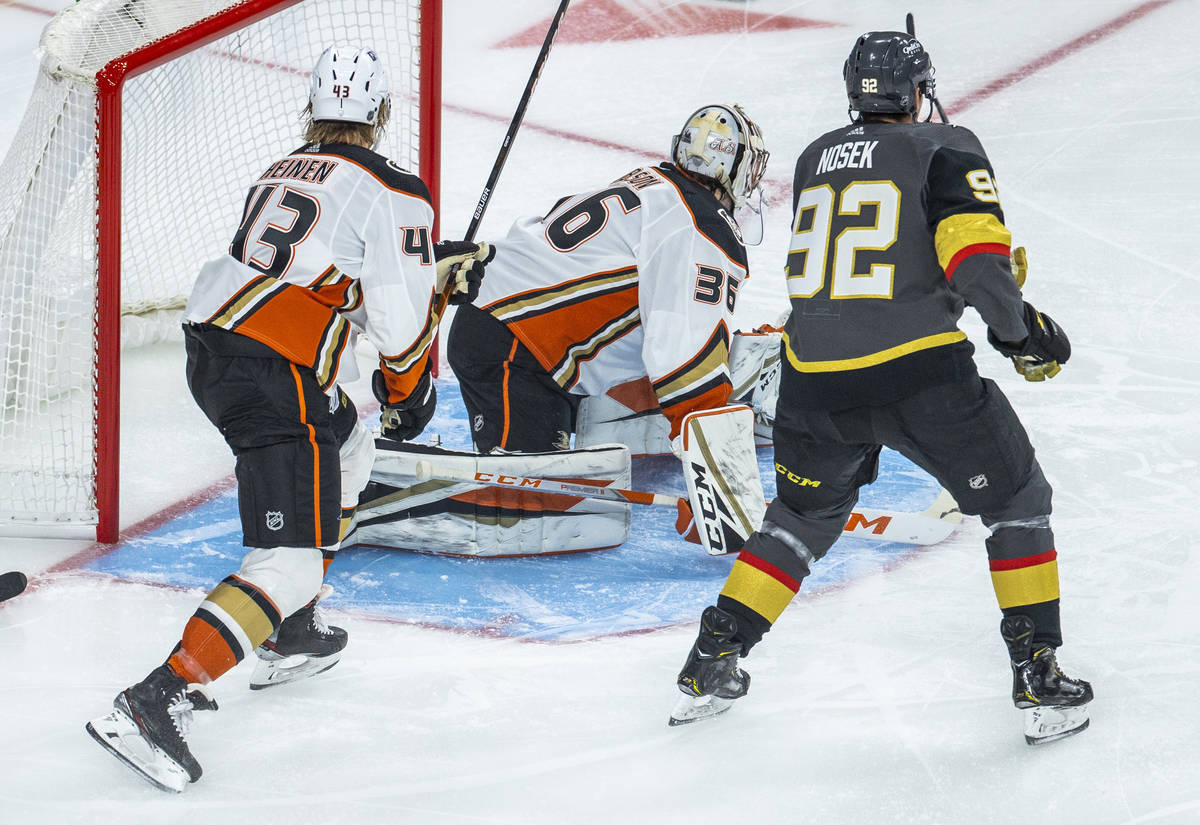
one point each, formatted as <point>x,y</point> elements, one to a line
<point>710,680</point>
<point>148,725</point>
<point>1055,705</point>
<point>302,646</point>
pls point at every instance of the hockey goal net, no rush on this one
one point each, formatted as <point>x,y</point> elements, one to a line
<point>148,121</point>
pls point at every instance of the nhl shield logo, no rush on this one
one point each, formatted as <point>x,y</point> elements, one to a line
<point>274,520</point>
<point>978,482</point>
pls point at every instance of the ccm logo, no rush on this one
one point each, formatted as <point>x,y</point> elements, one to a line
<point>512,481</point>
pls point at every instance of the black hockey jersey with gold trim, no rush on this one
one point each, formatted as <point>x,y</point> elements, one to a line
<point>895,228</point>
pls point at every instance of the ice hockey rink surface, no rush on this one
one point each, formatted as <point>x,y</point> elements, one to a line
<point>536,691</point>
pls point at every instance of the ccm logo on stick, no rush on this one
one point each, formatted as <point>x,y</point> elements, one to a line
<point>515,481</point>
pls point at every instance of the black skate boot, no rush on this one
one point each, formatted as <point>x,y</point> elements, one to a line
<point>302,646</point>
<point>710,679</point>
<point>147,727</point>
<point>1055,704</point>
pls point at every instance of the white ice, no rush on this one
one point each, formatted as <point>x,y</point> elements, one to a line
<point>885,701</point>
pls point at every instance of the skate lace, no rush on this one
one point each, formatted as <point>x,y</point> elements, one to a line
<point>181,705</point>
<point>180,711</point>
<point>318,615</point>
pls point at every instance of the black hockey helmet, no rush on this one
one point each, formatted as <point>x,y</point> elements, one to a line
<point>886,72</point>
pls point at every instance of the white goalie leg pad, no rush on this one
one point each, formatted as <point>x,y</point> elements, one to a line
<point>290,576</point>
<point>357,457</point>
<point>628,414</point>
<point>405,509</point>
<point>720,467</point>
<point>754,370</point>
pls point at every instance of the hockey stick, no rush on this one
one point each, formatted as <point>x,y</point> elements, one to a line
<point>929,527</point>
<point>518,116</point>
<point>911,25</point>
<point>443,299</point>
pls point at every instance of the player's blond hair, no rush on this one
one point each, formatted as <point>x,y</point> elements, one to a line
<point>367,135</point>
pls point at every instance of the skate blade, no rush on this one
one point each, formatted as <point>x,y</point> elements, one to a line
<point>1049,724</point>
<point>274,672</point>
<point>119,735</point>
<point>697,708</point>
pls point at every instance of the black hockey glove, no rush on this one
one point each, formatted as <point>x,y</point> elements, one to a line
<point>461,263</point>
<point>1042,353</point>
<point>405,420</point>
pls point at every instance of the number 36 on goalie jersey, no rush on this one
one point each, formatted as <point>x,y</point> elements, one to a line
<point>635,280</point>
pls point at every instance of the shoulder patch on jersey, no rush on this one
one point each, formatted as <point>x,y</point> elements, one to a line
<point>387,172</point>
<point>711,218</point>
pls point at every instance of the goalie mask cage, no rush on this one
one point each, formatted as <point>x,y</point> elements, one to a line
<point>148,122</point>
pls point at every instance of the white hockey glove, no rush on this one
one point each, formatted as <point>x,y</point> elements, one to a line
<point>461,265</point>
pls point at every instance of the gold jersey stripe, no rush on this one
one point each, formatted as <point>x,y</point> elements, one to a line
<point>957,232</point>
<point>764,594</point>
<point>1026,585</point>
<point>713,362</point>
<point>258,287</point>
<point>518,305</point>
<point>883,356</point>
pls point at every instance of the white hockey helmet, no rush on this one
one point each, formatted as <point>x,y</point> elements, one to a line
<point>348,84</point>
<point>721,143</point>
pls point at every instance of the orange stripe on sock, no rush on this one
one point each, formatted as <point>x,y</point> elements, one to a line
<point>203,655</point>
<point>312,439</point>
<point>511,355</point>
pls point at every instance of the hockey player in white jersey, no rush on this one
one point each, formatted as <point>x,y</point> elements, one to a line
<point>334,241</point>
<point>634,280</point>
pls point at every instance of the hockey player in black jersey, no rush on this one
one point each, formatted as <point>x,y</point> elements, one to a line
<point>896,227</point>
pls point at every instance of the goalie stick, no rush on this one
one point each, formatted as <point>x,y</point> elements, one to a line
<point>931,526</point>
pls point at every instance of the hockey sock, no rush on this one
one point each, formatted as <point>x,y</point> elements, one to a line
<point>1028,585</point>
<point>235,619</point>
<point>751,626</point>
<point>756,592</point>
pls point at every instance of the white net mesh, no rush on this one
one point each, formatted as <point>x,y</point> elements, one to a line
<point>195,133</point>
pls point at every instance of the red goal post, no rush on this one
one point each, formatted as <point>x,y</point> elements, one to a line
<point>149,120</point>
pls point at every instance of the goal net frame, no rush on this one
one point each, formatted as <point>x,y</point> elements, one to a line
<point>110,85</point>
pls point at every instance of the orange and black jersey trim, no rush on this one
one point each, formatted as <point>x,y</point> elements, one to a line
<point>304,325</point>
<point>403,371</point>
<point>700,384</point>
<point>568,323</point>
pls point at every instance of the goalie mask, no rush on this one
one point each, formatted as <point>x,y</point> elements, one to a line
<point>724,145</point>
<point>887,72</point>
<point>349,85</point>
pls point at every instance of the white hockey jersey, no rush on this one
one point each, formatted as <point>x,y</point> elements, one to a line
<point>636,280</point>
<point>334,240</point>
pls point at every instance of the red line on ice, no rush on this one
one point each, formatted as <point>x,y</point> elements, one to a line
<point>1053,56</point>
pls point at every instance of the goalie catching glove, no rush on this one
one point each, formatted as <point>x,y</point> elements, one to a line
<point>1043,351</point>
<point>460,264</point>
<point>405,420</point>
